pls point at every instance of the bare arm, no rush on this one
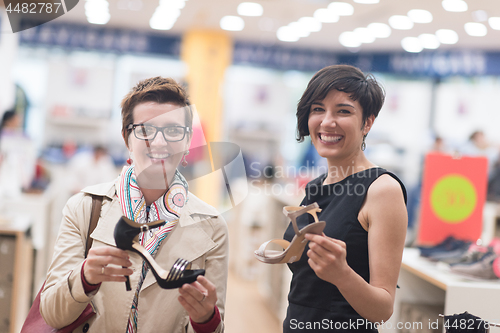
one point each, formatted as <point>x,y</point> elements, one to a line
<point>385,211</point>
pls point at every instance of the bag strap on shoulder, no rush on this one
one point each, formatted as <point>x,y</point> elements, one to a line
<point>94,218</point>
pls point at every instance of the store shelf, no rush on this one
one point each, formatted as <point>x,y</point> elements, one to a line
<point>427,283</point>
<point>16,275</point>
<point>436,274</point>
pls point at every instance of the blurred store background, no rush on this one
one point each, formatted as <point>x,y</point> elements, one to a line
<point>245,64</point>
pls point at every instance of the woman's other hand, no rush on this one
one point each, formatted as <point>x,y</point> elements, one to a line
<point>199,298</point>
<point>327,258</point>
<point>96,269</point>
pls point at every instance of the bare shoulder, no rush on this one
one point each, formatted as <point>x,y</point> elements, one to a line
<point>385,187</point>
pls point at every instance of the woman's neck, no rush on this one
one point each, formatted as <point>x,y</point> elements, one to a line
<point>153,185</point>
<point>341,169</point>
<point>151,195</point>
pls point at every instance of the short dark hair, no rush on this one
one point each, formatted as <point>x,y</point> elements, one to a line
<point>363,88</point>
<point>7,116</point>
<point>156,89</point>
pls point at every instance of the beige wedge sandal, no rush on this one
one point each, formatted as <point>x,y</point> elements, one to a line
<point>292,250</point>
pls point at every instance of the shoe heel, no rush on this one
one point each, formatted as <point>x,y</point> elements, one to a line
<point>127,238</point>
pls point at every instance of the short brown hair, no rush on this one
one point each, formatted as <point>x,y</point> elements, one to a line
<point>156,89</point>
<point>349,79</point>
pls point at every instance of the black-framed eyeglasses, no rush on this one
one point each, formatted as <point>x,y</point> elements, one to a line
<point>171,133</point>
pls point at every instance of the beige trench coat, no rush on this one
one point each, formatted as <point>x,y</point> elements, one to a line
<point>200,236</point>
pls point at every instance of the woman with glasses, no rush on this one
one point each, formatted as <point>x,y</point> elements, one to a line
<point>157,129</point>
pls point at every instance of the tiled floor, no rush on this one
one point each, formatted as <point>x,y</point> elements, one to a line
<point>246,311</point>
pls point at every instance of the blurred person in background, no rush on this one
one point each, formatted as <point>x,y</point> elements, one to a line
<point>89,168</point>
<point>348,274</point>
<point>17,156</point>
<point>157,130</point>
<point>478,145</point>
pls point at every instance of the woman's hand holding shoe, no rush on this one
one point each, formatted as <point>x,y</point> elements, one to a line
<point>327,258</point>
<point>96,269</point>
<point>199,298</point>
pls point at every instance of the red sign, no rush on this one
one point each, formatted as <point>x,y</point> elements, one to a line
<point>453,196</point>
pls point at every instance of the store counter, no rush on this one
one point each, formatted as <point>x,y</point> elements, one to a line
<point>428,283</point>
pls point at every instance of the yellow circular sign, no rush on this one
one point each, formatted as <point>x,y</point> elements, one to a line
<point>453,198</point>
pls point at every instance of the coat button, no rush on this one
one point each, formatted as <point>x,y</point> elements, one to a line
<point>86,327</point>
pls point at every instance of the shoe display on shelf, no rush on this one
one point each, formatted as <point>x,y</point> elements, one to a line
<point>449,244</point>
<point>293,250</point>
<point>473,254</point>
<point>127,238</point>
<point>484,269</point>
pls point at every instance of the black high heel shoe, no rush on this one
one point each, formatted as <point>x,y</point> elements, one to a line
<point>127,238</point>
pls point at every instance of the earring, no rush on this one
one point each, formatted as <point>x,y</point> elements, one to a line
<point>363,144</point>
<point>130,160</point>
<point>184,162</point>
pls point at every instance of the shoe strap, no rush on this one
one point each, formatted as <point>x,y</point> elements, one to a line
<point>177,269</point>
<point>262,249</point>
<point>301,210</point>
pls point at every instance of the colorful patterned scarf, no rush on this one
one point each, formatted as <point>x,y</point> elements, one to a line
<point>167,207</point>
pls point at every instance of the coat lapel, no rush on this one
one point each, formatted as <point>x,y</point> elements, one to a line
<point>187,240</point>
<point>104,232</point>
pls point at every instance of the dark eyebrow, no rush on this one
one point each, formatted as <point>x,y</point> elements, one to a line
<point>338,105</point>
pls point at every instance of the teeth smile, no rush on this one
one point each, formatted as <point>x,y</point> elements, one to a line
<point>159,156</point>
<point>330,138</point>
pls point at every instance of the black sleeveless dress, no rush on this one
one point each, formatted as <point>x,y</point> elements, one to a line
<point>314,304</point>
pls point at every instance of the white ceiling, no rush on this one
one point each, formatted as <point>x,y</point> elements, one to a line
<point>206,14</point>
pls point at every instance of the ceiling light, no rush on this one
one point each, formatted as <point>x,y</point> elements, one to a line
<point>158,23</point>
<point>287,34</point>
<point>475,29</point>
<point>429,41</point>
<point>164,18</point>
<point>349,39</point>
<point>232,23</point>
<point>420,16</point>
<point>326,16</point>
<point>455,5</point>
<point>162,13</point>
<point>400,22</point>
<point>380,30</point>
<point>99,18</point>
<point>250,9</point>
<point>310,24</point>
<point>364,35</point>
<point>447,36</point>
<point>367,2</point>
<point>165,12</point>
<point>341,8</point>
<point>299,29</point>
<point>480,16</point>
<point>96,6</point>
<point>97,11</point>
<point>179,4</point>
<point>411,44</point>
<point>494,23</point>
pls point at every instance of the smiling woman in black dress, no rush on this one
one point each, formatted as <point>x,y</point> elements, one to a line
<point>346,278</point>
